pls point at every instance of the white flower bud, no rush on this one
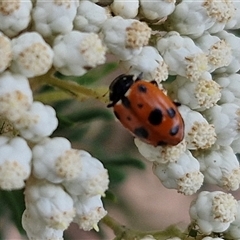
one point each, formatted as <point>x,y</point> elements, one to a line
<point>50,203</point>
<point>125,37</point>
<point>89,211</point>
<point>183,175</point>
<point>125,9</point>
<point>77,170</point>
<point>32,56</point>
<point>53,159</point>
<point>213,211</point>
<point>149,62</point>
<point>86,21</point>
<point>15,95</point>
<point>233,41</point>
<point>198,133</point>
<point>160,154</point>
<point>36,228</point>
<point>193,18</point>
<point>230,92</point>
<point>182,56</point>
<point>234,22</point>
<point>198,95</point>
<point>76,52</point>
<point>150,237</point>
<point>233,232</point>
<point>155,10</point>
<point>5,52</point>
<point>15,162</point>
<point>91,180</point>
<point>226,119</point>
<point>14,16</point>
<point>235,145</point>
<point>38,122</point>
<point>223,12</point>
<point>54,17</point>
<point>220,167</point>
<point>218,51</point>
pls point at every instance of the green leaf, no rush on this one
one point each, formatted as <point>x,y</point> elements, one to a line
<point>88,115</point>
<point>109,195</point>
<point>77,134</point>
<point>14,201</point>
<point>64,122</point>
<point>170,78</point>
<point>116,176</point>
<point>92,75</point>
<point>52,96</point>
<point>127,161</point>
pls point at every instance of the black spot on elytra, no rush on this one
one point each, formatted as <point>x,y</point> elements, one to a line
<point>125,102</point>
<point>171,112</point>
<point>142,88</point>
<point>174,130</point>
<point>155,117</point>
<point>140,105</point>
<point>161,143</point>
<point>129,118</point>
<point>141,132</point>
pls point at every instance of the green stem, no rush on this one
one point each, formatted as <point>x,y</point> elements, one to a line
<point>117,228</point>
<point>122,232</point>
<point>72,87</point>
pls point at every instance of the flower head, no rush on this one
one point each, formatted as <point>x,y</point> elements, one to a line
<point>148,62</point>
<point>86,21</point>
<point>192,18</point>
<point>125,9</point>
<point>183,175</point>
<point>229,87</point>
<point>220,166</point>
<point>200,95</point>
<point>88,212</point>
<point>5,52</point>
<point>213,211</point>
<point>76,52</point>
<point>182,56</point>
<point>15,96</point>
<point>15,163</point>
<point>14,16</point>
<point>38,122</point>
<point>125,37</point>
<point>199,134</point>
<point>218,51</point>
<point>226,118</point>
<point>54,160</point>
<point>54,17</point>
<point>155,10</point>
<point>50,203</point>
<point>160,154</point>
<point>32,56</point>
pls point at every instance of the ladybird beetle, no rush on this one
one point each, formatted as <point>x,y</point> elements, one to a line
<point>146,111</point>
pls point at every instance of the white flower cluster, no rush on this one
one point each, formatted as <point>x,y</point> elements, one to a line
<point>204,58</point>
<point>66,186</point>
<point>62,184</point>
<point>192,40</point>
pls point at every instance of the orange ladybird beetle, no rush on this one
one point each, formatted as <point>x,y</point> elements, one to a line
<point>146,111</point>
